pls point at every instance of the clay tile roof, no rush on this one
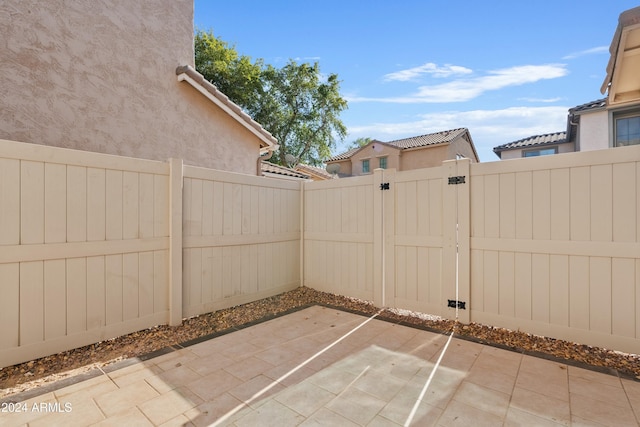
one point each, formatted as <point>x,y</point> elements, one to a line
<point>413,142</point>
<point>241,116</point>
<point>430,139</point>
<point>314,170</point>
<point>546,139</point>
<point>281,170</point>
<point>344,155</point>
<point>593,105</point>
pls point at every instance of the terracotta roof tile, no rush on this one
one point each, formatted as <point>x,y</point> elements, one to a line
<point>345,155</point>
<point>413,142</point>
<point>429,139</point>
<point>546,139</point>
<point>281,170</point>
<point>593,105</point>
<point>314,170</point>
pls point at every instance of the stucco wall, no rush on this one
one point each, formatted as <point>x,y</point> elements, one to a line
<point>392,155</point>
<point>345,167</point>
<point>424,157</point>
<point>594,131</point>
<point>100,76</point>
<point>516,154</point>
<point>461,146</point>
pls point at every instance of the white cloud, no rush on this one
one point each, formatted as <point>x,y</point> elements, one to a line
<point>593,50</point>
<point>306,58</point>
<point>428,68</point>
<point>488,128</point>
<point>467,89</point>
<point>544,100</point>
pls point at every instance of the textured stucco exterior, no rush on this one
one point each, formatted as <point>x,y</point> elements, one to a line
<point>567,147</point>
<point>462,147</point>
<point>425,157</point>
<point>417,152</point>
<point>593,132</point>
<point>391,153</point>
<point>101,76</point>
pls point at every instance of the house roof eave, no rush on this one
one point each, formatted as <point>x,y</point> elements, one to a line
<point>189,75</point>
<point>627,18</point>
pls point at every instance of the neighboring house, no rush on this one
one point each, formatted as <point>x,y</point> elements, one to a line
<point>101,76</point>
<point>404,154</point>
<point>605,123</point>
<point>272,170</point>
<point>314,172</point>
<point>538,145</point>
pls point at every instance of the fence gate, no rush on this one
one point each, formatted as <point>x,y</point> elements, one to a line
<point>393,238</point>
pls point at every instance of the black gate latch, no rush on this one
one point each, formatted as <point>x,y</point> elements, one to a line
<point>454,180</point>
<point>456,304</point>
<point>384,186</point>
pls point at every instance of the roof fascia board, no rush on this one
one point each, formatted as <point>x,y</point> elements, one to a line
<point>627,21</point>
<point>470,141</point>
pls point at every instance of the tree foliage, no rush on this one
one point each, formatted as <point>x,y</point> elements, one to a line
<point>359,142</point>
<point>297,104</point>
<point>235,75</point>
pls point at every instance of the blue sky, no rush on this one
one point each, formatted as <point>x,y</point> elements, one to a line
<point>504,69</point>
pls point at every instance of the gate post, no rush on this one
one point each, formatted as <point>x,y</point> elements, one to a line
<point>383,237</point>
<point>456,231</point>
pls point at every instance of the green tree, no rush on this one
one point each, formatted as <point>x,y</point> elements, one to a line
<point>295,103</point>
<point>359,142</point>
<point>234,74</point>
<point>302,111</point>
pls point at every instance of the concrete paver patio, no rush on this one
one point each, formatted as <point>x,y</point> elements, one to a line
<point>325,367</point>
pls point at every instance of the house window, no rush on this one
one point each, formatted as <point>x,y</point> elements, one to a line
<point>540,152</point>
<point>365,166</point>
<point>383,162</point>
<point>627,129</point>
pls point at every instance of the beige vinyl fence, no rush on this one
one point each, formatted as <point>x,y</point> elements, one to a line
<point>92,245</point>
<point>555,246</point>
<point>547,245</point>
<point>241,239</point>
<point>95,246</point>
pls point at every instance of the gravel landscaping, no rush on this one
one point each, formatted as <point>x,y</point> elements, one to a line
<point>33,374</point>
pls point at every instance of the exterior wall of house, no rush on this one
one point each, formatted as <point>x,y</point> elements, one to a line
<point>392,155</point>
<point>461,146</point>
<point>100,76</point>
<point>594,131</point>
<point>425,157</point>
<point>345,167</point>
<point>516,154</point>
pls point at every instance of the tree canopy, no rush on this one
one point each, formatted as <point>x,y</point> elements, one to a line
<point>359,142</point>
<point>297,104</point>
<point>235,75</point>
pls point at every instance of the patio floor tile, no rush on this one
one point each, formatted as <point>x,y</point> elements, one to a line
<point>540,405</point>
<point>126,397</point>
<point>305,398</point>
<point>321,366</point>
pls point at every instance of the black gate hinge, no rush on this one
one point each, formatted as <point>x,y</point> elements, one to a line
<point>457,304</point>
<point>384,186</point>
<point>454,180</point>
